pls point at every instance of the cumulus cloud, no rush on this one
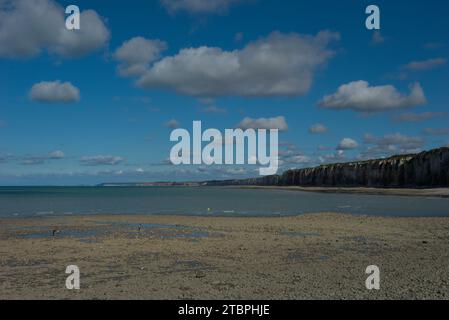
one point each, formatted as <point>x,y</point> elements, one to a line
<point>136,54</point>
<point>347,144</point>
<point>58,154</point>
<point>279,64</point>
<point>291,157</point>
<point>391,144</point>
<point>360,96</point>
<point>54,91</point>
<point>424,64</point>
<point>338,156</point>
<point>318,128</point>
<point>30,160</point>
<point>101,160</point>
<point>198,6</point>
<point>29,26</point>
<point>172,124</point>
<point>417,117</point>
<point>264,123</point>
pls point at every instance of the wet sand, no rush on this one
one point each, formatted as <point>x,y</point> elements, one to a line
<point>313,256</point>
<point>424,192</point>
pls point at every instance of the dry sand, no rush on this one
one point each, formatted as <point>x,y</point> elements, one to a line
<point>314,256</point>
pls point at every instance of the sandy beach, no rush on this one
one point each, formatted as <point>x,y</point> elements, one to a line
<point>313,256</point>
<point>414,192</point>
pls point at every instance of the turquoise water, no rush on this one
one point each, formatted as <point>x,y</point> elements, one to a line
<point>42,201</point>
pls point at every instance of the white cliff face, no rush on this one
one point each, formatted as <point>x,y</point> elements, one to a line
<point>429,169</point>
<point>426,169</point>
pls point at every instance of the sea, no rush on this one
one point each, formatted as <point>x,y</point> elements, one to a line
<point>208,201</point>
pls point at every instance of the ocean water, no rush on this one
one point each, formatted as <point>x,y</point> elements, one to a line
<point>42,201</point>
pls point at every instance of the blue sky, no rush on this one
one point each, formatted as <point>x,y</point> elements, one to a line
<point>140,68</point>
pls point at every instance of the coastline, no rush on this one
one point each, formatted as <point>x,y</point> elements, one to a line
<point>414,192</point>
<point>311,256</point>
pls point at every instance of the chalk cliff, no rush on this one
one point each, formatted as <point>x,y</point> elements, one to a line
<point>425,169</point>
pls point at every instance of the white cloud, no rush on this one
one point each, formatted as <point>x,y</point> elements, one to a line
<point>101,160</point>
<point>347,144</point>
<point>360,96</point>
<point>136,54</point>
<point>424,64</point>
<point>54,91</point>
<point>280,64</point>
<point>338,156</point>
<point>58,154</point>
<point>290,155</point>
<point>264,123</point>
<point>198,6</point>
<point>30,160</point>
<point>29,26</point>
<point>318,128</point>
<point>390,144</point>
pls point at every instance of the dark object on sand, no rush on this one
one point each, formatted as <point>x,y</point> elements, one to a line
<point>55,232</point>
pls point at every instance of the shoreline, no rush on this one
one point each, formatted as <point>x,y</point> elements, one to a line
<point>310,256</point>
<point>425,192</point>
